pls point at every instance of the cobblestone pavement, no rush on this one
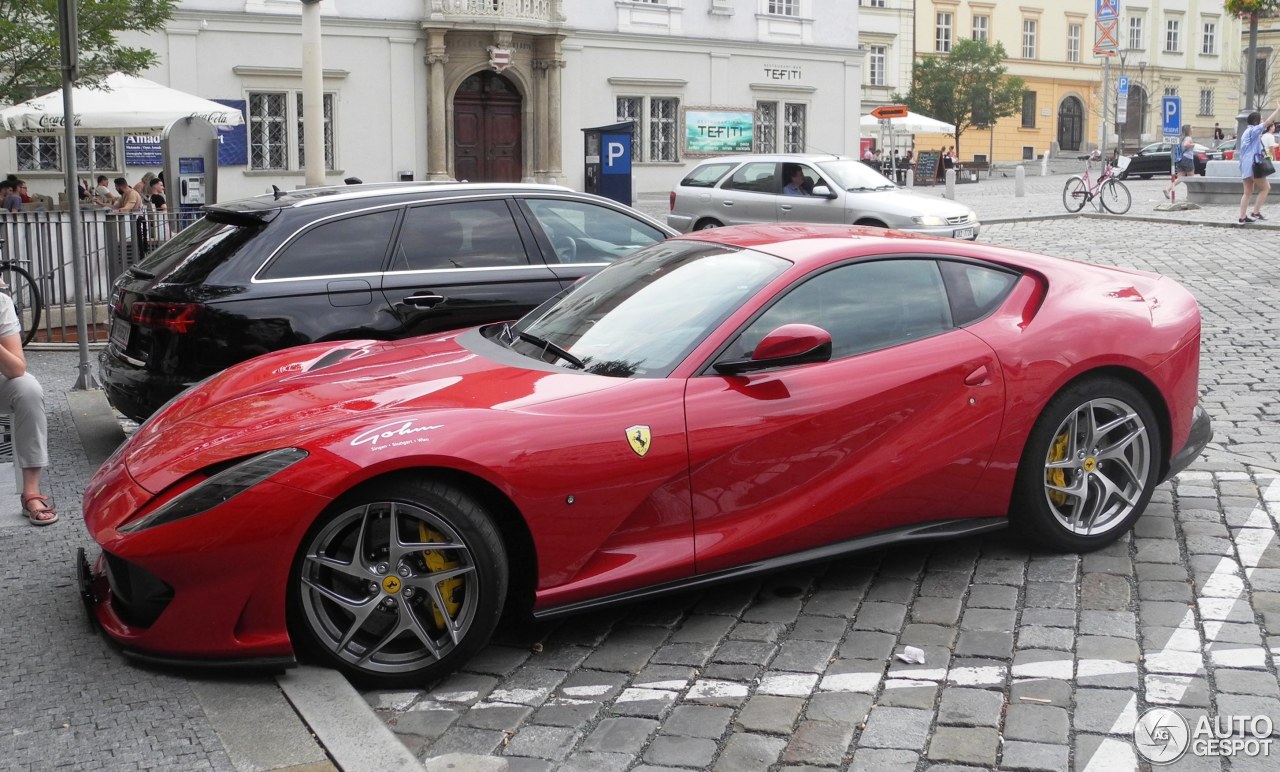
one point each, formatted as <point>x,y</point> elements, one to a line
<point>1033,660</point>
<point>67,701</point>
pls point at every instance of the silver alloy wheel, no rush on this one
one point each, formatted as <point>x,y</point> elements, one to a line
<point>1097,465</point>
<point>385,603</point>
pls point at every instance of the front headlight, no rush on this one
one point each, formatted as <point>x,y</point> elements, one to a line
<point>930,220</point>
<point>219,489</point>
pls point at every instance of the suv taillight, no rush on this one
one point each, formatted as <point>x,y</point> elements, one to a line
<point>174,317</point>
<point>673,200</point>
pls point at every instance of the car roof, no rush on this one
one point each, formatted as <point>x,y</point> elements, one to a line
<point>811,245</point>
<point>777,157</point>
<point>288,199</point>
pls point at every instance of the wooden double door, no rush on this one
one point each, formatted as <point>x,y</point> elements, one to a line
<point>486,129</point>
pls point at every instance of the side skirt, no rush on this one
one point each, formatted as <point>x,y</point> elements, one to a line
<point>939,530</point>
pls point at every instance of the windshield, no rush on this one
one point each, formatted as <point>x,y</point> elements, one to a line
<point>855,175</point>
<point>643,315</point>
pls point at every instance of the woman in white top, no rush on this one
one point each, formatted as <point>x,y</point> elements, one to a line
<point>22,397</point>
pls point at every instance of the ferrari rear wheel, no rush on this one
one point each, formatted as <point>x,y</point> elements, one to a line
<point>1089,467</point>
<point>400,582</point>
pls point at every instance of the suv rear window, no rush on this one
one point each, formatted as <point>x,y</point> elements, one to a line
<point>705,176</point>
<point>194,252</point>
<point>350,245</point>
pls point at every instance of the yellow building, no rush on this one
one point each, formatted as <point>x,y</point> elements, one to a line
<point>1185,48</point>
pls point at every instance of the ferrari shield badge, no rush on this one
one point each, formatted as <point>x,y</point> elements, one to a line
<point>638,437</point>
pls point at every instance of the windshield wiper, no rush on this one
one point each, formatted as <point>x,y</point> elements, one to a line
<point>547,345</point>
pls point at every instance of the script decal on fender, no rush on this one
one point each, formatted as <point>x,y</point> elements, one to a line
<point>394,434</point>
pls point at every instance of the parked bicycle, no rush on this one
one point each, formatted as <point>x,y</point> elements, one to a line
<point>20,285</point>
<point>1108,191</point>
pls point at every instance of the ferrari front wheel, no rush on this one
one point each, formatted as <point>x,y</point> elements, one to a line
<point>1089,467</point>
<point>399,582</point>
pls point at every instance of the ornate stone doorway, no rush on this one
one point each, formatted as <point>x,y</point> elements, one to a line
<point>487,133</point>
<point>1070,124</point>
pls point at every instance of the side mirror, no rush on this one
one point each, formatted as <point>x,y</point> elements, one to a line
<point>822,191</point>
<point>790,344</point>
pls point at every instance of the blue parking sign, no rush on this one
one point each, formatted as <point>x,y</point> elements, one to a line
<point>1171,109</point>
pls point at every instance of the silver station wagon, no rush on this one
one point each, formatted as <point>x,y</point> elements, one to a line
<point>731,190</point>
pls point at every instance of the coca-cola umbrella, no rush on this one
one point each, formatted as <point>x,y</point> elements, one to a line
<point>123,102</point>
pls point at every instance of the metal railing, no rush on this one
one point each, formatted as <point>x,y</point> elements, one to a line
<point>41,243</point>
<point>534,10</point>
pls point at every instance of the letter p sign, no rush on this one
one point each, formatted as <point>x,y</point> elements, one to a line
<point>617,153</point>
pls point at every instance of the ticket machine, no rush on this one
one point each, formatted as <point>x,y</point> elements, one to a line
<point>607,161</point>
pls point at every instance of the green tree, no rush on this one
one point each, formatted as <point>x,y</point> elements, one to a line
<point>29,42</point>
<point>967,88</point>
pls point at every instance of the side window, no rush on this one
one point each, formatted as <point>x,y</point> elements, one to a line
<point>589,233</point>
<point>809,180</point>
<point>757,176</point>
<point>865,307</point>
<point>705,176</point>
<point>975,290</point>
<point>351,245</point>
<point>468,234</point>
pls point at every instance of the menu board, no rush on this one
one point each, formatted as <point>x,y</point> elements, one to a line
<point>926,167</point>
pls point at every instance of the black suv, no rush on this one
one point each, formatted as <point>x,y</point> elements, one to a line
<point>369,261</point>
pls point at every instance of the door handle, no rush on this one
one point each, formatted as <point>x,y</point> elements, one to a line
<point>978,377</point>
<point>427,299</point>
<point>727,203</point>
<point>785,207</point>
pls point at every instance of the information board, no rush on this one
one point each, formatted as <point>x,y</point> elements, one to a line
<point>718,131</point>
<point>927,167</point>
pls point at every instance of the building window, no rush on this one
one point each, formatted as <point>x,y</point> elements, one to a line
<point>268,138</point>
<point>39,154</point>
<point>1073,42</point>
<point>663,112</point>
<point>654,137</point>
<point>43,153</point>
<point>793,129</point>
<point>1028,109</point>
<point>1206,101</point>
<point>1260,75</point>
<point>766,127</point>
<point>784,7</point>
<point>1135,32</point>
<point>982,28</point>
<point>1170,90</point>
<point>872,3</point>
<point>630,109</point>
<point>876,64</point>
<point>1028,38</point>
<point>942,34</point>
<point>1209,42</point>
<point>328,133</point>
<point>1171,43</point>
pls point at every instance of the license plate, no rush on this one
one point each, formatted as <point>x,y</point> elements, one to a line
<point>120,330</point>
<point>962,233</point>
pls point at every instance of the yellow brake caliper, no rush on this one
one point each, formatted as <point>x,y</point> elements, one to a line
<point>449,588</point>
<point>1058,477</point>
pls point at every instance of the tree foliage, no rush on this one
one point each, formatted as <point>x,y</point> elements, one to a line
<point>1250,7</point>
<point>967,87</point>
<point>30,47</point>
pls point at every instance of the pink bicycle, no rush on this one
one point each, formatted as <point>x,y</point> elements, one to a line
<point>1107,191</point>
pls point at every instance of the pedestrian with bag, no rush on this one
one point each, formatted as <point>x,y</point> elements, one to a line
<point>1184,165</point>
<point>1255,167</point>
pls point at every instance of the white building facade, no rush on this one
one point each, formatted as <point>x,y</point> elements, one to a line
<point>496,90</point>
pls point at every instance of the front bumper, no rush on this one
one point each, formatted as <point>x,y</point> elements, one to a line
<point>1199,437</point>
<point>968,231</point>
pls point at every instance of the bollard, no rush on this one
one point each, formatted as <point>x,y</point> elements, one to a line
<point>911,178</point>
<point>951,184</point>
<point>1044,165</point>
<point>1020,181</point>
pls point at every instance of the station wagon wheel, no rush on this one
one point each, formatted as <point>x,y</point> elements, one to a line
<point>1089,466</point>
<point>399,584</point>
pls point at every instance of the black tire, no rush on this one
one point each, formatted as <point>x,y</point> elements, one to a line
<point>1074,194</point>
<point>1145,176</point>
<point>27,303</point>
<point>707,223</point>
<point>871,223</point>
<point>1115,197</point>
<point>1069,471</point>
<point>393,619</point>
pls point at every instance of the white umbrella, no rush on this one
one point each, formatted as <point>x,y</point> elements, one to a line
<point>914,123</point>
<point>125,102</point>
